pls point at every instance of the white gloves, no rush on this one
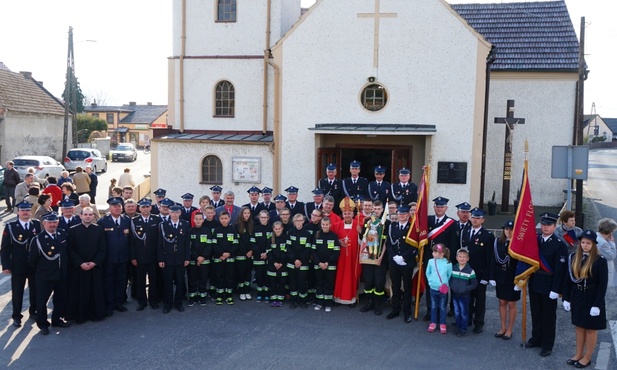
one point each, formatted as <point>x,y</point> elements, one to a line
<point>483,282</point>
<point>553,295</point>
<point>492,282</point>
<point>399,260</point>
<point>595,311</point>
<point>517,288</point>
<point>566,306</point>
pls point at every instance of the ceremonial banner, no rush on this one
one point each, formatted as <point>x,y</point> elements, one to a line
<point>524,244</point>
<point>417,236</point>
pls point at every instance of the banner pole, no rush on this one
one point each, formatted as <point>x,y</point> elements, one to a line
<point>524,314</point>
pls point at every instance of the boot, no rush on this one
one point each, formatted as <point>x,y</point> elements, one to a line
<point>377,303</point>
<point>370,305</point>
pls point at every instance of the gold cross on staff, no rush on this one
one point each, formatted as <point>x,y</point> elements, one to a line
<point>376,16</point>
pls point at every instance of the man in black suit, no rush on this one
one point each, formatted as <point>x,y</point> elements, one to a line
<point>14,254</point>
<point>216,196</point>
<point>159,195</point>
<point>331,185</point>
<point>253,203</point>
<point>187,207</point>
<point>295,207</point>
<point>404,191</point>
<point>479,242</point>
<point>379,189</point>
<point>355,185</point>
<point>267,203</point>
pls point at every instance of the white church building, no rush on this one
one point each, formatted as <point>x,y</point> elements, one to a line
<point>264,93</point>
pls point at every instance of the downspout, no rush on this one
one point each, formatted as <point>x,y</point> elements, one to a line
<point>276,163</point>
<point>490,59</point>
<point>182,53</point>
<point>264,127</point>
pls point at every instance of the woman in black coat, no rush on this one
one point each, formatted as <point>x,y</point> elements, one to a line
<point>584,296</point>
<point>501,274</point>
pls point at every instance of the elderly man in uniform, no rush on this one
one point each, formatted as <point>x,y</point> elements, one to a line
<point>379,189</point>
<point>355,184</point>
<point>68,218</point>
<point>216,196</point>
<point>404,191</point>
<point>317,203</point>
<point>49,257</point>
<point>117,228</point>
<point>293,204</point>
<point>267,203</point>
<point>174,253</point>
<point>545,286</point>
<point>144,255</point>
<point>479,243</point>
<point>14,254</point>
<point>87,249</point>
<point>187,207</point>
<point>159,195</point>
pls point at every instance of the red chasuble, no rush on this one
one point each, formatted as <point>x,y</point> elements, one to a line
<point>348,269</point>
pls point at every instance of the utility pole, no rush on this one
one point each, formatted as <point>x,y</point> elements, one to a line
<point>69,94</point>
<point>582,76</point>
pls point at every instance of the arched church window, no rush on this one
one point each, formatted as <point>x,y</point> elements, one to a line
<point>226,11</point>
<point>374,97</point>
<point>224,99</point>
<point>211,170</point>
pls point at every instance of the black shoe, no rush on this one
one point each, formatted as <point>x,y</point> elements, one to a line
<point>455,330</point>
<point>499,335</point>
<point>154,306</point>
<point>547,352</point>
<point>378,311</point>
<point>426,317</point>
<point>203,301</point>
<point>109,313</point>
<point>392,315</point>
<point>571,362</point>
<point>578,364</point>
<point>368,307</point>
<point>478,329</point>
<point>191,303</point>
<point>531,344</point>
<point>141,307</point>
<point>408,319</point>
<point>32,317</point>
<point>293,305</point>
<point>166,310</point>
<point>461,333</point>
<point>44,331</point>
<point>180,308</point>
<point>17,323</point>
<point>120,308</point>
<point>60,324</point>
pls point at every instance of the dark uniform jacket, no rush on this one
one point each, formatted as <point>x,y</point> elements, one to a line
<point>263,236</point>
<point>245,242</point>
<point>269,207</point>
<point>225,240</point>
<point>299,247</point>
<point>457,235</point>
<point>298,208</point>
<point>396,245</point>
<point>186,214</point>
<point>502,266</point>
<point>379,191</point>
<point>174,243</point>
<point>404,196</point>
<point>145,240</point>
<point>62,224</point>
<point>49,256</point>
<point>445,237</point>
<point>254,211</point>
<point>218,203</point>
<point>335,189</point>
<point>16,244</point>
<point>277,252</point>
<point>155,210</point>
<point>117,238</point>
<point>353,190</point>
<point>309,208</point>
<point>480,248</point>
<point>326,248</point>
<point>86,244</point>
<point>200,244</point>
<point>554,252</point>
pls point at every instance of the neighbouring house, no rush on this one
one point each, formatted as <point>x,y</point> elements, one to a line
<point>611,123</point>
<point>130,122</point>
<point>398,83</point>
<point>596,129</point>
<point>31,118</point>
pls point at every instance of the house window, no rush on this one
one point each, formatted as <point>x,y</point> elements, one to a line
<point>211,170</point>
<point>110,118</point>
<point>226,11</point>
<point>224,99</point>
<point>95,115</point>
<point>374,97</point>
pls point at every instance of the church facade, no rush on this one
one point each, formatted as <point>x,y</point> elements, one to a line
<point>260,94</point>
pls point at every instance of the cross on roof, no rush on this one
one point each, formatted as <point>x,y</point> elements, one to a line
<point>376,16</point>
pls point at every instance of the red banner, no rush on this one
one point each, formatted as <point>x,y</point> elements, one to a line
<point>418,231</point>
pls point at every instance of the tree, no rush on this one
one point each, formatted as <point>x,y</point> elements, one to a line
<point>75,89</point>
<point>85,125</point>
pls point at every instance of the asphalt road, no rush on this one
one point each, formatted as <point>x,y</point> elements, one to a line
<point>139,168</point>
<point>251,335</point>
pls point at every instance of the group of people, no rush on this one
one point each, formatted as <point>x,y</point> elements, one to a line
<point>316,252</point>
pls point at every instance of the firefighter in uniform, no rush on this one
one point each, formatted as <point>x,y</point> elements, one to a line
<point>379,189</point>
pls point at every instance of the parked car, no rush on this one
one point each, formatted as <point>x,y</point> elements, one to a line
<point>43,166</point>
<point>1,181</point>
<point>85,157</point>
<point>124,152</point>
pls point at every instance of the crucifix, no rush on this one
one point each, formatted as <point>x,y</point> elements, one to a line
<point>376,16</point>
<point>509,121</point>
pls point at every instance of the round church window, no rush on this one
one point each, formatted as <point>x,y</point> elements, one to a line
<point>374,97</point>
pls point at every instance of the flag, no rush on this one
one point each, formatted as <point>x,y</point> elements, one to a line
<point>417,236</point>
<point>524,243</point>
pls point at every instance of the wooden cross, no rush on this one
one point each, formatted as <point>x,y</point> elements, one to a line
<point>376,16</point>
<point>509,121</point>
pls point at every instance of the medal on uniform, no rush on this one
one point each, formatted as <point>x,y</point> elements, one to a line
<point>19,237</point>
<point>49,253</point>
<point>52,248</point>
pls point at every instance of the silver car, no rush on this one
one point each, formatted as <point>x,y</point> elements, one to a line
<point>124,152</point>
<point>43,166</point>
<point>82,157</point>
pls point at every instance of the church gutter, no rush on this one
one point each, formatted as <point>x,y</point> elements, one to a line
<point>490,59</point>
<point>276,163</point>
<point>264,128</point>
<point>182,52</point>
